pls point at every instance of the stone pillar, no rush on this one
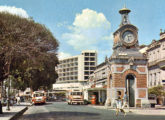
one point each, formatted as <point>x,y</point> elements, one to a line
<point>108,100</point>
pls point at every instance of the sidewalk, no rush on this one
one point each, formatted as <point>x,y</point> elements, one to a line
<point>14,112</point>
<point>142,111</point>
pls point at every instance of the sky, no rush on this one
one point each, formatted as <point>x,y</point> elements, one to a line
<point>89,24</point>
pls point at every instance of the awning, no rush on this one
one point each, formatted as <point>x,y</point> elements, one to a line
<point>91,89</point>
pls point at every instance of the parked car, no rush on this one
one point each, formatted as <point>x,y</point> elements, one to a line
<point>152,99</point>
<point>4,101</point>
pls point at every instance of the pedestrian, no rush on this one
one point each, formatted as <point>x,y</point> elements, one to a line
<point>18,100</point>
<point>119,104</point>
<point>125,101</point>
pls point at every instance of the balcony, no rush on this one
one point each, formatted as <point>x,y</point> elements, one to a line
<point>161,63</point>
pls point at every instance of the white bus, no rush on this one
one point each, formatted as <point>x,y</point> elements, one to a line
<point>39,97</point>
<point>75,96</point>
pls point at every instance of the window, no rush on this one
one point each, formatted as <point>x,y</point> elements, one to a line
<point>92,63</point>
<point>155,77</point>
<point>163,47</point>
<point>92,54</point>
<point>86,63</point>
<point>92,68</point>
<point>86,68</point>
<point>92,59</point>
<point>86,59</point>
<point>86,54</point>
<point>86,73</point>
<point>86,77</point>
<point>158,54</point>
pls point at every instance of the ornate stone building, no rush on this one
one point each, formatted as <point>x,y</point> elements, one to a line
<point>128,67</point>
<point>156,62</point>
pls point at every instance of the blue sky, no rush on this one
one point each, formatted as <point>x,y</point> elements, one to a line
<point>89,24</point>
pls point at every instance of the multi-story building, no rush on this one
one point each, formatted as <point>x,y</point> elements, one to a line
<point>97,84</point>
<point>156,62</point>
<point>74,71</point>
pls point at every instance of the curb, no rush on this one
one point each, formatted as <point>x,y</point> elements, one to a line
<point>18,114</point>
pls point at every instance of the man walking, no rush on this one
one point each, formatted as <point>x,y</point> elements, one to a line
<point>125,101</point>
<point>119,104</point>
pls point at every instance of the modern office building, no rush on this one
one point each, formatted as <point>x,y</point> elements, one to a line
<point>73,72</point>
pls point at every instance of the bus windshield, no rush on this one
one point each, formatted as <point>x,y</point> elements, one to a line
<point>38,94</point>
<point>76,93</point>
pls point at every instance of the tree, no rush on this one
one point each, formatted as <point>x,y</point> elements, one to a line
<point>26,49</point>
<point>158,91</point>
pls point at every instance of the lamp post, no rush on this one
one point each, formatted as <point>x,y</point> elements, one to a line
<point>1,111</point>
<point>8,95</point>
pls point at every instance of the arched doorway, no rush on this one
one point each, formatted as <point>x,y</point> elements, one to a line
<point>130,88</point>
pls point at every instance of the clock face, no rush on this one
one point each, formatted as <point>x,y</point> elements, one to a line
<point>128,37</point>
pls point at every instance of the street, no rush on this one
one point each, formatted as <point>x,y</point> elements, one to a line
<point>63,111</point>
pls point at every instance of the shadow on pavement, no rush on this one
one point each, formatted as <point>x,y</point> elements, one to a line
<point>7,114</point>
<point>60,115</point>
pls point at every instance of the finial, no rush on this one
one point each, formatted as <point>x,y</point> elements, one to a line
<point>124,5</point>
<point>160,30</point>
<point>106,58</point>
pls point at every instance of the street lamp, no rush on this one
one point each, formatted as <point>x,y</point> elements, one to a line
<point>8,95</point>
<point>1,112</point>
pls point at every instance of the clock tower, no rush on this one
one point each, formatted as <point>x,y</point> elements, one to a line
<point>126,36</point>
<point>128,67</point>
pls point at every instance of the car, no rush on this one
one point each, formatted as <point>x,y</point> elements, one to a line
<point>152,100</point>
<point>4,101</point>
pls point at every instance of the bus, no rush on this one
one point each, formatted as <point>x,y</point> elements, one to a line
<point>75,96</point>
<point>39,97</point>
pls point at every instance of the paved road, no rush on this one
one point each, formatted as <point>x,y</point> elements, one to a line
<point>62,111</point>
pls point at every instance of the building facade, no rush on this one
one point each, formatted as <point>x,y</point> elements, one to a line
<point>97,84</point>
<point>156,62</point>
<point>73,72</point>
<point>128,67</point>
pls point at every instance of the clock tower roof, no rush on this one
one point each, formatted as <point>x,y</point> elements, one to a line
<point>124,10</point>
<point>124,14</point>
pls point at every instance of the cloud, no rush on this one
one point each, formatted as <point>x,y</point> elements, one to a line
<point>90,30</point>
<point>63,55</point>
<point>15,11</point>
<point>62,24</point>
<point>91,19</point>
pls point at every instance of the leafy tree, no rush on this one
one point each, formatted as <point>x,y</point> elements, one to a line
<point>158,91</point>
<point>28,51</point>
